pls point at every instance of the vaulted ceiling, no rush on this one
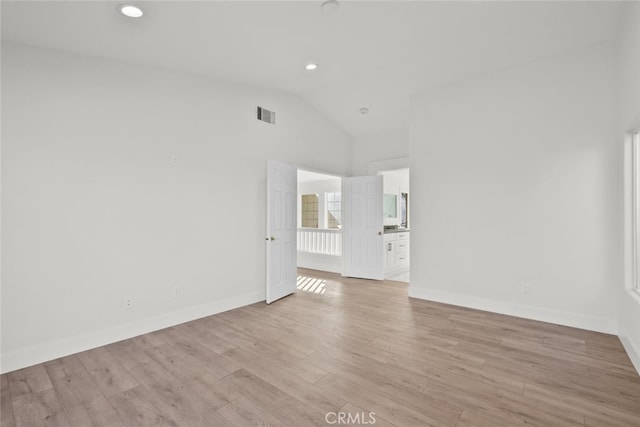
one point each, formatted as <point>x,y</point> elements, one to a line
<point>369,54</point>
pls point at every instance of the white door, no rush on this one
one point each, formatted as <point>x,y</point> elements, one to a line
<point>282,191</point>
<point>363,227</point>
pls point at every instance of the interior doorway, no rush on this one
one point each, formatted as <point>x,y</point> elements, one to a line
<point>319,221</point>
<point>397,221</point>
<point>308,212</point>
<point>340,224</point>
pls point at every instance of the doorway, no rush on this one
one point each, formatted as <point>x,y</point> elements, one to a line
<point>319,221</point>
<point>340,224</point>
<point>305,215</point>
<point>396,186</point>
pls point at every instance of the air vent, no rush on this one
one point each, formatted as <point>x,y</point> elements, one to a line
<point>266,115</point>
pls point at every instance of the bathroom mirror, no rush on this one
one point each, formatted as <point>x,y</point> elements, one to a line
<point>390,206</point>
<point>404,210</point>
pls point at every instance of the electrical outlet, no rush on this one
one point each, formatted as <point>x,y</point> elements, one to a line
<point>128,302</point>
<point>177,291</point>
<point>174,161</point>
<point>525,288</point>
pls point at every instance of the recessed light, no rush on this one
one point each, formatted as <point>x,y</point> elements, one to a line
<point>330,6</point>
<point>130,10</point>
<point>311,67</point>
<point>364,110</point>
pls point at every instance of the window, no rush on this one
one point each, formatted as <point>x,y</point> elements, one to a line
<point>334,210</point>
<point>310,210</point>
<point>635,209</point>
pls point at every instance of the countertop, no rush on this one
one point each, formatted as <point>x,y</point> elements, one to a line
<point>396,230</point>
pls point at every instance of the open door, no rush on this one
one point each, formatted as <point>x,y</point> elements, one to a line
<point>282,191</point>
<point>363,227</point>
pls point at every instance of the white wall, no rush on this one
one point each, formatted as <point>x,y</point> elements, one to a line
<point>369,150</point>
<point>515,179</point>
<point>320,262</point>
<point>92,209</point>
<point>629,91</point>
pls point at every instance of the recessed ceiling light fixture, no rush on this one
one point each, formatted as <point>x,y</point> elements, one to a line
<point>364,110</point>
<point>330,6</point>
<point>311,67</point>
<point>130,10</point>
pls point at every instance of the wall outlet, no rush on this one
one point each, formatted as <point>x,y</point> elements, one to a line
<point>177,291</point>
<point>525,288</point>
<point>128,302</point>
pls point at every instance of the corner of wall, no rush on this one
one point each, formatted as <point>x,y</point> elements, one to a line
<point>629,110</point>
<point>574,320</point>
<point>632,351</point>
<point>629,328</point>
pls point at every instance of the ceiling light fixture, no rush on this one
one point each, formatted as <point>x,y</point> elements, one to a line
<point>311,67</point>
<point>330,6</point>
<point>130,10</point>
<point>364,110</point>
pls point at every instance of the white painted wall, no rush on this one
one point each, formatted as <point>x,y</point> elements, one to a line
<point>515,179</point>
<point>320,262</point>
<point>370,150</point>
<point>629,91</point>
<point>92,209</point>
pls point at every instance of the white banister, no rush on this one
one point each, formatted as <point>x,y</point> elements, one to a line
<point>320,241</point>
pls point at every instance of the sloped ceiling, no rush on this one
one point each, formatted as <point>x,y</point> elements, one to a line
<point>370,54</point>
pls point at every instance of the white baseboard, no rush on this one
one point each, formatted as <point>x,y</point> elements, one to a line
<point>23,357</point>
<point>632,351</point>
<point>320,266</point>
<point>396,271</point>
<point>320,262</point>
<point>575,320</point>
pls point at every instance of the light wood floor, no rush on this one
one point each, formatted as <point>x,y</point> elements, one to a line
<point>343,345</point>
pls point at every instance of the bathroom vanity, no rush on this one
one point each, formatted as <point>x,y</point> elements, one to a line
<point>396,250</point>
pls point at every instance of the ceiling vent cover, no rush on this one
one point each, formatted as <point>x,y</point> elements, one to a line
<point>266,115</point>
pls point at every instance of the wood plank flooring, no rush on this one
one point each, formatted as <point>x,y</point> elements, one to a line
<point>338,352</point>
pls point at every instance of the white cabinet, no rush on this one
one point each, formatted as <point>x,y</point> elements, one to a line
<point>389,252</point>
<point>396,252</point>
<point>401,249</point>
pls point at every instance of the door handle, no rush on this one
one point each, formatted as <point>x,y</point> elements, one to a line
<point>272,238</point>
